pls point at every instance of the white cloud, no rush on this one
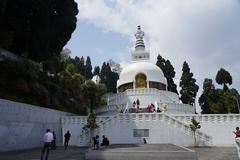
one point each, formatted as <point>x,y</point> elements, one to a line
<point>206,34</point>
<point>99,51</point>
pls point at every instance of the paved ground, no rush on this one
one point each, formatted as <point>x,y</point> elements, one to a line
<point>216,153</point>
<point>76,153</point>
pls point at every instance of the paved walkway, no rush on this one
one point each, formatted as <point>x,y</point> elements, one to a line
<point>76,153</point>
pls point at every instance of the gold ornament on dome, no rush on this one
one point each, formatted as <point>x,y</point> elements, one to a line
<point>141,81</point>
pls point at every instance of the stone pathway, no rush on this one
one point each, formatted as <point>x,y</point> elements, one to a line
<point>72,153</point>
<point>216,153</point>
<point>76,153</point>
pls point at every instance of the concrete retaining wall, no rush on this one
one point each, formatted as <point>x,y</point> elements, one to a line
<point>22,126</point>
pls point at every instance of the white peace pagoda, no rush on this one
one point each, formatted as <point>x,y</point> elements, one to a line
<point>144,81</point>
<point>124,123</point>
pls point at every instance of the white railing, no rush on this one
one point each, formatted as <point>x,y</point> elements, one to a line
<point>85,135</point>
<point>172,108</point>
<point>110,108</point>
<point>74,120</point>
<point>178,108</point>
<point>165,96</point>
<point>209,118</point>
<point>173,97</point>
<point>204,138</point>
<point>139,117</point>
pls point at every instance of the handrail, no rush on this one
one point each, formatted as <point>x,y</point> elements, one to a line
<point>205,118</point>
<point>151,117</point>
<point>100,124</point>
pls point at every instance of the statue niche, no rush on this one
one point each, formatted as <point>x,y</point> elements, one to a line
<point>141,81</point>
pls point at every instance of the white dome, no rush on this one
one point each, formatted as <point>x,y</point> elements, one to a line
<point>152,72</point>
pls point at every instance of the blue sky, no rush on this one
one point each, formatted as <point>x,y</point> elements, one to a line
<point>100,45</point>
<point>206,34</point>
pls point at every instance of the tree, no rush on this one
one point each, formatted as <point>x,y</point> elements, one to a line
<point>188,85</point>
<point>91,124</point>
<point>168,71</point>
<point>93,93</point>
<point>88,69</point>
<point>109,78</point>
<point>96,71</point>
<point>70,69</point>
<point>194,127</point>
<point>29,29</point>
<point>103,73</point>
<point>170,74</point>
<point>80,65</point>
<point>223,77</point>
<point>207,96</point>
<point>160,62</point>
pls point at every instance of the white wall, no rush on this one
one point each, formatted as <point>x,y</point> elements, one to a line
<point>219,126</point>
<point>75,124</point>
<point>23,126</point>
<point>119,128</point>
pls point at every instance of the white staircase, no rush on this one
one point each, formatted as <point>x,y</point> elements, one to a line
<point>104,126</point>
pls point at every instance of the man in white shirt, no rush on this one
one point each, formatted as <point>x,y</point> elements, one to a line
<point>47,139</point>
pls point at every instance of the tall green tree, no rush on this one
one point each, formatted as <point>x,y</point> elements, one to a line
<point>188,85</point>
<point>93,93</point>
<point>170,74</point>
<point>81,66</point>
<point>168,71</point>
<point>28,27</point>
<point>207,96</point>
<point>112,78</point>
<point>96,71</point>
<point>109,78</point>
<point>160,62</point>
<point>88,69</point>
<point>224,77</point>
<point>103,73</point>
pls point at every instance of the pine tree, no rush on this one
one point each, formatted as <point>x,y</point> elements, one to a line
<point>80,66</point>
<point>103,73</point>
<point>168,71</point>
<point>170,74</point>
<point>188,85</point>
<point>160,62</point>
<point>96,71</point>
<point>112,78</point>
<point>108,78</point>
<point>88,69</point>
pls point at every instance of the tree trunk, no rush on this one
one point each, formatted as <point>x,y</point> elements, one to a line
<point>195,141</point>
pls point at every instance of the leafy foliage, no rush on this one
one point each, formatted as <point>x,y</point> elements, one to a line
<point>25,82</point>
<point>219,101</point>
<point>96,71</point>
<point>88,69</point>
<point>207,96</point>
<point>188,85</point>
<point>109,78</point>
<point>224,77</point>
<point>29,29</point>
<point>91,121</point>
<point>92,93</point>
<point>168,71</point>
<point>194,127</point>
